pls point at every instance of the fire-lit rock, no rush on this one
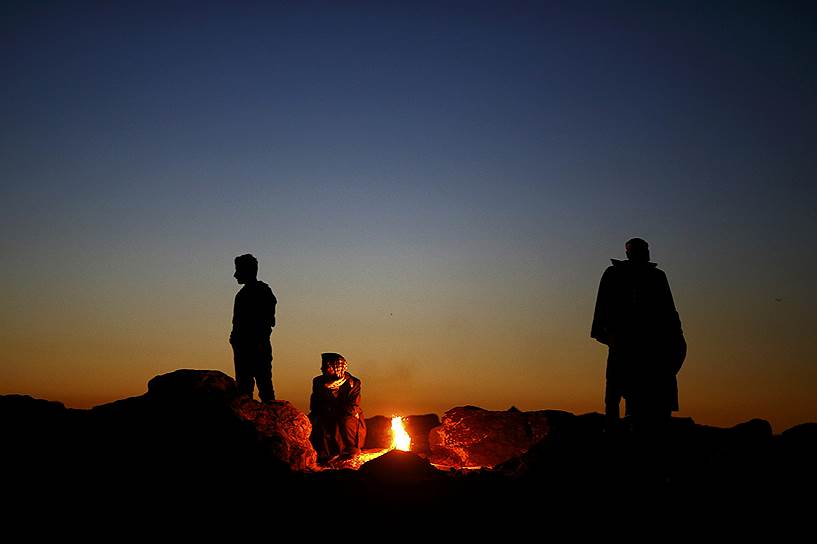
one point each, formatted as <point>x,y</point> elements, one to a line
<point>282,430</point>
<point>473,437</point>
<point>187,420</point>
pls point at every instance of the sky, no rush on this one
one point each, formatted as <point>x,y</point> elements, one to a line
<point>431,189</point>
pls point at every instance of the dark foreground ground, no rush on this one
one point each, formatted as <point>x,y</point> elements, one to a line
<point>192,455</point>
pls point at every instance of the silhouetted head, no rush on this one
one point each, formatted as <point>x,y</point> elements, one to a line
<point>333,365</point>
<point>637,250</point>
<point>246,268</point>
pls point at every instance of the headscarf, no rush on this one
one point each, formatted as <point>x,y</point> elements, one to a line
<point>334,365</point>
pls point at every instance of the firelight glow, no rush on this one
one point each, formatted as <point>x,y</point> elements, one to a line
<point>400,438</point>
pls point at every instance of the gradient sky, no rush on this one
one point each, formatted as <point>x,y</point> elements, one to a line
<point>432,190</point>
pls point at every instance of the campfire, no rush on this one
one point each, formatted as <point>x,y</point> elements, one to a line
<point>400,439</point>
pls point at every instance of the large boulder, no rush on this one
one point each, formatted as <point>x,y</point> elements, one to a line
<point>36,431</point>
<point>209,386</point>
<point>796,455</point>
<point>275,433</point>
<point>801,437</point>
<point>754,431</point>
<point>188,422</point>
<point>473,437</point>
<point>281,430</point>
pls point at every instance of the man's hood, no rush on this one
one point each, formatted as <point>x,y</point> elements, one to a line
<point>617,262</point>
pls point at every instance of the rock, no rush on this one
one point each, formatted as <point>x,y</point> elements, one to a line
<point>282,430</point>
<point>23,416</point>
<point>197,385</point>
<point>803,436</point>
<point>192,420</point>
<point>209,412</point>
<point>418,428</point>
<point>187,420</point>
<point>21,407</point>
<point>796,456</point>
<point>752,431</point>
<point>378,432</point>
<point>35,430</point>
<point>472,437</point>
<point>192,440</point>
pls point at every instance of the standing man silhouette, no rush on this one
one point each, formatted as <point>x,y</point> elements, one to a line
<point>253,320</point>
<point>635,316</point>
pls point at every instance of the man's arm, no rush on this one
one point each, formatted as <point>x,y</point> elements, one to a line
<point>313,398</point>
<point>673,321</point>
<point>674,334</point>
<point>272,305</point>
<point>266,307</point>
<point>599,329</point>
<point>352,405</point>
<point>235,311</point>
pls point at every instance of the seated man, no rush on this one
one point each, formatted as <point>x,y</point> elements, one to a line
<point>338,427</point>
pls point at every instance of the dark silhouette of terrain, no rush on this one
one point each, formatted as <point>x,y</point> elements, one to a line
<point>193,442</point>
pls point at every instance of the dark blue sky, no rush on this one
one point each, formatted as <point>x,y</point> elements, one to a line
<point>490,156</point>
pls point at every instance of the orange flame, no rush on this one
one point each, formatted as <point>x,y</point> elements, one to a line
<point>400,439</point>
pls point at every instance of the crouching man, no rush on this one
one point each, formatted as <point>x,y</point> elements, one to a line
<point>338,428</point>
